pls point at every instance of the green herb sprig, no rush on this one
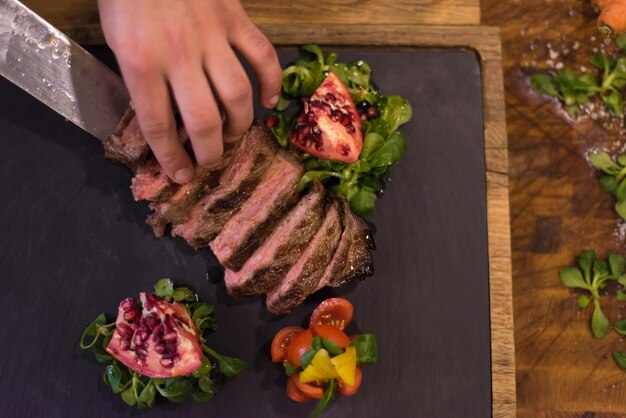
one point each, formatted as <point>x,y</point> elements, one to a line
<point>592,275</point>
<point>383,144</point>
<point>576,90</point>
<point>141,391</point>
<point>614,180</point>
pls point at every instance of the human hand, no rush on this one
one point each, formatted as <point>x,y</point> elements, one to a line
<point>186,48</point>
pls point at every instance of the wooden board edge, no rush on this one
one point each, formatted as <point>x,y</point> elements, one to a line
<point>485,41</point>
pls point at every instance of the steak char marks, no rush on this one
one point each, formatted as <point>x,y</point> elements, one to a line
<point>277,192</point>
<point>302,279</point>
<point>251,158</point>
<point>269,264</point>
<point>248,207</point>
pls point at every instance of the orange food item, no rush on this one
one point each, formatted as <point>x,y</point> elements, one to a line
<point>612,19</point>
<point>293,392</point>
<point>328,332</point>
<point>281,342</point>
<point>600,4</point>
<point>310,390</point>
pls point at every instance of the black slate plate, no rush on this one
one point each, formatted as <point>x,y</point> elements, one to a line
<point>74,244</point>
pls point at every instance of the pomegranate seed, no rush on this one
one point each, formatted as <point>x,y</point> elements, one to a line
<point>271,121</point>
<point>167,362</point>
<point>125,343</point>
<point>170,336</point>
<point>372,112</point>
<point>330,97</point>
<point>124,330</point>
<point>160,348</point>
<point>350,129</point>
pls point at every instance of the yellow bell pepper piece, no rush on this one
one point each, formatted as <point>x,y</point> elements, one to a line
<point>321,368</point>
<point>345,365</point>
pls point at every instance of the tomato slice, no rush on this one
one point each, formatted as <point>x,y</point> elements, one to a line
<point>293,392</point>
<point>300,344</point>
<point>311,390</point>
<point>346,390</point>
<point>328,332</point>
<point>334,311</point>
<point>281,341</point>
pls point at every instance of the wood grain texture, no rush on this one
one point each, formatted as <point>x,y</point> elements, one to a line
<point>485,41</point>
<point>557,209</point>
<point>79,19</point>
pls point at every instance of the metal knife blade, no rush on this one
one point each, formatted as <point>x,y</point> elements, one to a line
<point>54,69</point>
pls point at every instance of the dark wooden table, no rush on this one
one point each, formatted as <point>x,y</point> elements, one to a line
<point>557,209</point>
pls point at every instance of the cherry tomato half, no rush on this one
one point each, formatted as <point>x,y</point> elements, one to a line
<point>309,389</point>
<point>293,392</point>
<point>328,332</point>
<point>334,311</point>
<point>346,390</point>
<point>281,341</point>
<point>300,344</point>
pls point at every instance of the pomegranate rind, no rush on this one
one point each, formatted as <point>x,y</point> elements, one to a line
<point>330,126</point>
<point>173,322</point>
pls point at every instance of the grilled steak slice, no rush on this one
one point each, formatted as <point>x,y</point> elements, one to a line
<point>151,182</point>
<point>126,145</point>
<point>251,159</point>
<point>303,277</point>
<point>352,259</point>
<point>174,209</point>
<point>273,197</point>
<point>280,251</point>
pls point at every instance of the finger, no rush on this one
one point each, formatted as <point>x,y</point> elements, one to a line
<point>199,112</point>
<point>230,82</point>
<point>261,55</point>
<point>153,107</point>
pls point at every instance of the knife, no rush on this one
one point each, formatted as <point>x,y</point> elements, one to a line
<point>51,67</point>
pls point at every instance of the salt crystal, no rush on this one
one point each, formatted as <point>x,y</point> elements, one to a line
<point>553,54</point>
<point>559,66</point>
<point>575,46</point>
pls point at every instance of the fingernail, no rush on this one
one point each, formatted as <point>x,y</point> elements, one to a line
<point>183,175</point>
<point>273,101</point>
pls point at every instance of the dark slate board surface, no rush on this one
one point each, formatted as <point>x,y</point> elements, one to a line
<point>74,244</point>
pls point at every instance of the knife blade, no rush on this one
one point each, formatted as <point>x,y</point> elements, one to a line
<point>51,67</point>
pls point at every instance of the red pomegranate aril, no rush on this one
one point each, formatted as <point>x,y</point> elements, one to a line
<point>160,348</point>
<point>124,330</point>
<point>167,362</point>
<point>271,121</point>
<point>372,112</point>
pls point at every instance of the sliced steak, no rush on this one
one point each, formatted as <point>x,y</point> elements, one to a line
<point>271,261</point>
<point>126,145</point>
<point>273,197</point>
<point>250,161</point>
<point>303,277</point>
<point>352,259</point>
<point>175,208</point>
<point>151,182</point>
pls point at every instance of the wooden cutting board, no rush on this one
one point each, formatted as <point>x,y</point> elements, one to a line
<point>79,19</point>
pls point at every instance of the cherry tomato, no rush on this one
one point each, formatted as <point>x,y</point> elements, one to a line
<point>328,332</point>
<point>334,311</point>
<point>300,344</point>
<point>293,392</point>
<point>309,389</point>
<point>346,390</point>
<point>281,341</point>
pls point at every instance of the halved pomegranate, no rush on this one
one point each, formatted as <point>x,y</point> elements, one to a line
<point>330,126</point>
<point>161,340</point>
